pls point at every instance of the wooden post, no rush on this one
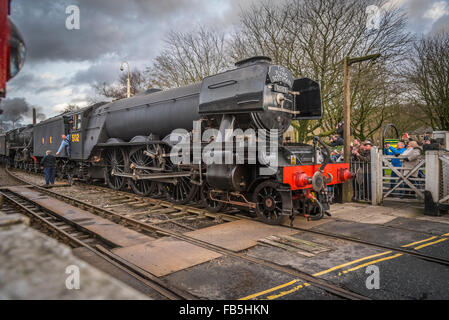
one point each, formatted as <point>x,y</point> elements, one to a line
<point>347,186</point>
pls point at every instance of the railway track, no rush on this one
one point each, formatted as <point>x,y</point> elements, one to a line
<point>175,223</point>
<point>223,217</point>
<point>6,179</point>
<point>74,236</point>
<point>140,223</point>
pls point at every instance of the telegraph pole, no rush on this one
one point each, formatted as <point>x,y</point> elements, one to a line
<point>347,62</point>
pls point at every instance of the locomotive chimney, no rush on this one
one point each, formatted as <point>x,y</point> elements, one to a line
<point>34,116</point>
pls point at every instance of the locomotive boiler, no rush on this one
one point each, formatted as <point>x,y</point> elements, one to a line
<point>141,142</point>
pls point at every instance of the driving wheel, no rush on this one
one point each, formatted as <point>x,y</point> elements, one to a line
<point>116,162</point>
<point>139,158</point>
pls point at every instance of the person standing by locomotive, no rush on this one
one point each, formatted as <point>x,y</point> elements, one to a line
<point>65,144</point>
<point>66,139</point>
<point>48,163</point>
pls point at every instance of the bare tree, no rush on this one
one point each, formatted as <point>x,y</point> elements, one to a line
<point>405,117</point>
<point>312,37</point>
<point>428,76</point>
<point>189,57</point>
<point>118,90</point>
<point>71,108</point>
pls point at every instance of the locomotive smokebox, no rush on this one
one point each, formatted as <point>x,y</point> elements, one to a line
<point>250,93</point>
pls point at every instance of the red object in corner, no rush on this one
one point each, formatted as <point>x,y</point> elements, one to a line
<point>296,176</point>
<point>4,45</point>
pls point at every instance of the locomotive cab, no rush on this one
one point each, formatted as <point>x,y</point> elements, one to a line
<point>72,127</point>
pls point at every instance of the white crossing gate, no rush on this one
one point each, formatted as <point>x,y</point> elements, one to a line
<point>437,183</point>
<point>400,182</point>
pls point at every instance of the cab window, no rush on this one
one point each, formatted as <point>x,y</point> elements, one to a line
<point>77,122</point>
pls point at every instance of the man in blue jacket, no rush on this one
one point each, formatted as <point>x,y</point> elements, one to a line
<point>65,144</point>
<point>48,163</point>
<point>392,151</point>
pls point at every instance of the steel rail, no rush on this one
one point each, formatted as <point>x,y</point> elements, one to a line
<point>139,226</point>
<point>328,234</point>
<point>147,279</point>
<point>348,238</point>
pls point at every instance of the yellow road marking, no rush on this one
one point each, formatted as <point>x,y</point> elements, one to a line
<point>445,235</point>
<point>349,263</point>
<point>283,293</point>
<point>372,262</point>
<point>270,290</point>
<point>417,242</point>
<point>345,271</point>
<point>429,244</point>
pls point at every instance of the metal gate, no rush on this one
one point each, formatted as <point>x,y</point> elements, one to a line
<point>381,180</point>
<point>362,186</point>
<point>401,183</point>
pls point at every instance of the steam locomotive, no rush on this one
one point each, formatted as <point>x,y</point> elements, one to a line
<point>140,142</point>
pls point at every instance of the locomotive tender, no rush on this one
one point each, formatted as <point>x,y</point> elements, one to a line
<point>133,142</point>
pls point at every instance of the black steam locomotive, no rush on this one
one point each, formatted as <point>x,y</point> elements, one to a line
<point>141,141</point>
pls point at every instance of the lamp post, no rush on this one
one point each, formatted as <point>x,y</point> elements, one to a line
<point>128,85</point>
<point>347,62</point>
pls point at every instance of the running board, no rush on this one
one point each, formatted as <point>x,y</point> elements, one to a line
<point>155,176</point>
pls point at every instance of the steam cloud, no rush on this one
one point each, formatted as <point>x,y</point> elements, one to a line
<point>15,111</point>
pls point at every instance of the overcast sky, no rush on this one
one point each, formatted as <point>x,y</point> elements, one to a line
<point>62,64</point>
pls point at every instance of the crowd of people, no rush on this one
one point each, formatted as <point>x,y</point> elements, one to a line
<point>409,149</point>
<point>406,155</point>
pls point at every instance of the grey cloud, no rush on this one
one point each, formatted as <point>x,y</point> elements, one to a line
<point>440,25</point>
<point>97,73</point>
<point>23,82</point>
<point>111,31</point>
<point>106,26</point>
<point>415,11</point>
<point>30,83</point>
<point>416,8</point>
<point>15,111</point>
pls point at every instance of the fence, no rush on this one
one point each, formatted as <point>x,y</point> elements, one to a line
<point>400,182</point>
<point>386,178</point>
<point>362,185</point>
<point>383,178</point>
